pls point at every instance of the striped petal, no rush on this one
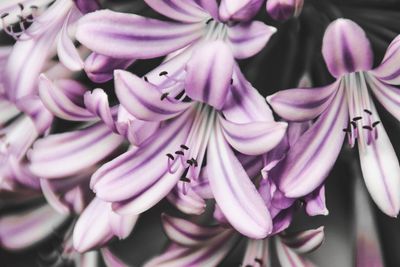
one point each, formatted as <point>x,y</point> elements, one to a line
<point>239,10</point>
<point>288,258</point>
<point>282,9</point>
<point>311,158</point>
<point>315,203</point>
<point>24,229</point>
<point>257,139</point>
<point>87,6</point>
<point>388,71</point>
<point>66,50</point>
<point>209,254</point>
<point>56,99</point>
<point>133,36</point>
<point>140,177</point>
<point>186,233</point>
<point>388,96</point>
<point>143,100</point>
<point>180,10</point>
<point>303,104</point>
<point>188,202</point>
<point>210,6</point>
<point>346,48</point>
<point>305,241</point>
<point>244,103</point>
<point>111,260</point>
<point>100,68</point>
<point>78,150</point>
<point>381,171</point>
<point>247,39</point>
<point>233,190</point>
<point>209,73</point>
<point>96,103</point>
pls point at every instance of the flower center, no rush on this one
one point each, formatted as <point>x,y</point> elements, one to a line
<point>363,117</point>
<point>215,30</point>
<point>191,154</point>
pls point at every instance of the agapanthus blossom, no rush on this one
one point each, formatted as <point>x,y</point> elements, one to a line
<point>345,108</point>
<point>191,133</point>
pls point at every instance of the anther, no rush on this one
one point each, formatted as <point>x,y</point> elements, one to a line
<point>190,162</point>
<point>346,130</point>
<point>34,7</point>
<point>185,179</point>
<point>194,162</point>
<point>164,96</point>
<point>354,124</point>
<point>357,118</point>
<point>231,81</point>
<point>145,78</point>
<point>170,156</point>
<point>4,15</point>
<point>368,111</point>
<point>179,153</point>
<point>21,6</point>
<point>367,127</point>
<point>208,21</point>
<point>163,73</point>
<point>184,147</point>
<point>375,123</point>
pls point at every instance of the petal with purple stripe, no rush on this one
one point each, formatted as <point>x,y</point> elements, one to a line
<point>346,48</point>
<point>209,73</point>
<point>310,159</point>
<point>60,155</point>
<point>288,258</point>
<point>180,10</point>
<point>257,139</point>
<point>303,104</point>
<point>133,36</point>
<point>247,39</point>
<point>143,100</point>
<point>239,10</point>
<point>233,190</point>
<point>305,241</point>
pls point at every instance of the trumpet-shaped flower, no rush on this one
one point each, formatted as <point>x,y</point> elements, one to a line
<point>345,108</point>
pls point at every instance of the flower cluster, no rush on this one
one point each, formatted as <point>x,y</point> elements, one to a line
<point>88,144</point>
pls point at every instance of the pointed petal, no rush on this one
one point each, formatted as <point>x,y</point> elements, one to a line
<point>186,233</point>
<point>282,9</point>
<point>209,73</point>
<point>24,229</point>
<point>100,68</point>
<point>66,50</point>
<point>233,190</point>
<point>381,171</point>
<point>239,10</point>
<point>305,241</point>
<point>244,103</point>
<point>257,139</point>
<point>33,107</point>
<point>388,96</point>
<point>288,258</point>
<point>97,103</point>
<point>92,228</point>
<point>303,104</point>
<point>247,39</point>
<point>77,150</point>
<point>143,100</point>
<point>57,101</point>
<point>311,158</point>
<point>346,48</point>
<point>315,203</point>
<point>133,36</point>
<point>180,10</point>
<point>122,225</point>
<point>388,71</point>
<point>140,177</point>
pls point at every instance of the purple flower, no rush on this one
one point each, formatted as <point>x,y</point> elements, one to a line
<point>348,55</point>
<point>191,133</point>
